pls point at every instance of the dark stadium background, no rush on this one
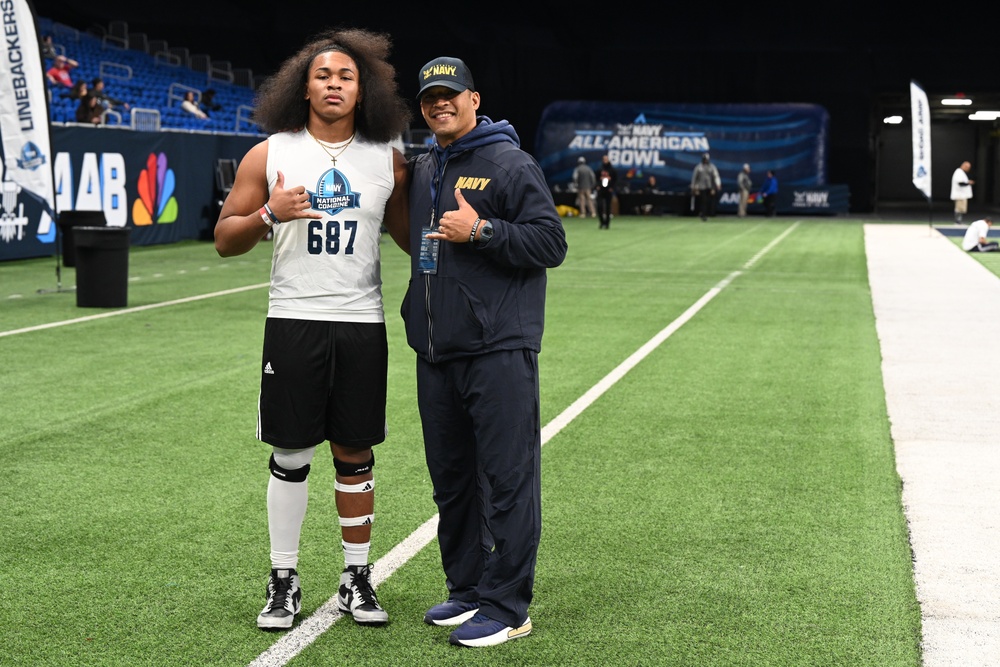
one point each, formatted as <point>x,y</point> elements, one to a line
<point>856,60</point>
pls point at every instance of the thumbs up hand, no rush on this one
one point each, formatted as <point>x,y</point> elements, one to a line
<point>291,203</point>
<point>456,226</point>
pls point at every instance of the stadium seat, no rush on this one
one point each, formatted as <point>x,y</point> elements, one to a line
<point>143,81</point>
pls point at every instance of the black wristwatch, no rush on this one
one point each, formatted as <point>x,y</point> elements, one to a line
<point>485,233</point>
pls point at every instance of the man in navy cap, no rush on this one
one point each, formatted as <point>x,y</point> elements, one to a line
<point>483,231</point>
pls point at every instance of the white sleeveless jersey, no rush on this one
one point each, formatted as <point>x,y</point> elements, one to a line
<point>328,269</point>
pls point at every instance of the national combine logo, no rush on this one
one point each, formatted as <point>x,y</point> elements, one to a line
<point>156,203</point>
<point>333,193</point>
<point>31,157</point>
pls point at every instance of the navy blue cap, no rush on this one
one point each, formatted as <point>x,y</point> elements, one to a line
<point>448,72</point>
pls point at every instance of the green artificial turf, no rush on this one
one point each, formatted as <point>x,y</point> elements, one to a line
<point>732,500</point>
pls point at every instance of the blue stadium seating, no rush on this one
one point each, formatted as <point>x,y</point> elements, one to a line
<point>144,80</point>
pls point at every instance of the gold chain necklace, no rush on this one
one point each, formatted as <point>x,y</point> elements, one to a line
<point>333,157</point>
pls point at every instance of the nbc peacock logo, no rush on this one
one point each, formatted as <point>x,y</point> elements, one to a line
<point>156,202</point>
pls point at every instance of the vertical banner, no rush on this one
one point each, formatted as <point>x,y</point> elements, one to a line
<point>921,121</point>
<point>24,126</point>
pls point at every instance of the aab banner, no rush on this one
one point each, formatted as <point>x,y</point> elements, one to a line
<point>161,184</point>
<point>816,200</point>
<point>667,141</point>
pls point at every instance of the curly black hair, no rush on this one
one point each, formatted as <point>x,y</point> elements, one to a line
<point>280,105</point>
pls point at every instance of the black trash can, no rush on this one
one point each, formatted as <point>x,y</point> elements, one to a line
<point>101,266</point>
<point>70,220</point>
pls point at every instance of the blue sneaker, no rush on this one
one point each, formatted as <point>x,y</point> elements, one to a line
<point>450,612</point>
<point>481,630</point>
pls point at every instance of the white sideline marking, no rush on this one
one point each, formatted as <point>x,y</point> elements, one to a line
<point>125,311</point>
<point>767,248</point>
<point>292,643</point>
<point>592,394</point>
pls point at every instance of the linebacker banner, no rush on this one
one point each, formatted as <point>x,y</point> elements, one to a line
<point>24,129</point>
<point>921,121</point>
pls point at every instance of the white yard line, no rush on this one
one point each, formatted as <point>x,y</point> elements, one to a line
<point>293,642</point>
<point>127,311</point>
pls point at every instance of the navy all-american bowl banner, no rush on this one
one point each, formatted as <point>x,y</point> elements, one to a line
<point>667,141</point>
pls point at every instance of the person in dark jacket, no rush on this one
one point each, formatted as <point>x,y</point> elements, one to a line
<point>483,231</point>
<point>101,93</point>
<point>607,178</point>
<point>89,110</point>
<point>705,185</point>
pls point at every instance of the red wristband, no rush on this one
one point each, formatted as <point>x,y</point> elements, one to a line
<point>265,218</point>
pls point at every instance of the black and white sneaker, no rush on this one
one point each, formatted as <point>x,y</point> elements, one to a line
<point>284,600</point>
<point>357,597</point>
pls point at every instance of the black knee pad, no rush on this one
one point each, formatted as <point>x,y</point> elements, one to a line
<point>345,469</point>
<point>298,475</point>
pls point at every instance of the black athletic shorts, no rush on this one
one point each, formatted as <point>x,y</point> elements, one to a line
<point>322,381</point>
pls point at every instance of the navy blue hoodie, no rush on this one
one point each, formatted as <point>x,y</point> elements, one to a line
<point>483,297</point>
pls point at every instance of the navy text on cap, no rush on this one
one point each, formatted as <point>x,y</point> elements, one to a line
<point>448,72</point>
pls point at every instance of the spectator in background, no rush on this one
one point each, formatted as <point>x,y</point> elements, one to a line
<point>89,110</point>
<point>105,100</point>
<point>975,237</point>
<point>961,190</point>
<point>48,48</point>
<point>648,207</point>
<point>743,183</point>
<point>607,177</point>
<point>191,106</point>
<point>769,193</point>
<point>584,179</point>
<point>705,182</point>
<point>79,90</point>
<point>59,73</point>
<point>208,103</point>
